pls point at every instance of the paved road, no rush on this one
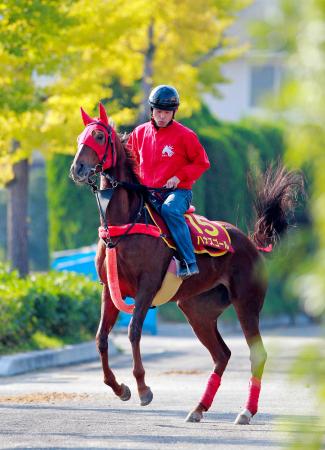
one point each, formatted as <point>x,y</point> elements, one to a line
<point>71,408</point>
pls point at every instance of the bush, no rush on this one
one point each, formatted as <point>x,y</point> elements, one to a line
<point>58,305</point>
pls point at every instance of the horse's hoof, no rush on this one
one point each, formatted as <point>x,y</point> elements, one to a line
<point>194,416</point>
<point>126,393</point>
<point>243,418</point>
<point>146,398</point>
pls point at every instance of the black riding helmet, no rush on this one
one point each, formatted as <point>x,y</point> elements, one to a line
<point>164,97</point>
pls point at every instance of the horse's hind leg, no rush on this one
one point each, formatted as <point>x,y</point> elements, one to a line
<point>108,318</point>
<point>249,321</point>
<point>202,315</point>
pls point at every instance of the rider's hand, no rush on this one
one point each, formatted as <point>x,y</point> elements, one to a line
<point>172,183</point>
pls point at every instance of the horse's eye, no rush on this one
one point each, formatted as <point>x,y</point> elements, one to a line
<point>100,137</point>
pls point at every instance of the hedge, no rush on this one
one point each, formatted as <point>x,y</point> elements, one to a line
<point>234,150</point>
<point>59,305</point>
<point>73,213</point>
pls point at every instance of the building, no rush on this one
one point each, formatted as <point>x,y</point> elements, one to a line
<point>252,77</point>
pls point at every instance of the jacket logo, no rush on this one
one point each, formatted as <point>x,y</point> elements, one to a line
<point>168,150</point>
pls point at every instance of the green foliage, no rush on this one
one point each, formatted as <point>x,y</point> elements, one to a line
<point>3,224</point>
<point>16,310</point>
<point>278,32</point>
<point>42,341</point>
<point>51,38</point>
<point>171,313</point>
<point>309,368</point>
<point>38,218</point>
<point>29,32</point>
<point>73,212</point>
<point>234,150</point>
<point>299,28</point>
<point>33,42</point>
<point>55,305</point>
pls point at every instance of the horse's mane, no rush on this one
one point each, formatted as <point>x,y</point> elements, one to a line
<point>131,162</point>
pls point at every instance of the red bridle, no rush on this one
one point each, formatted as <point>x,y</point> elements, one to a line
<point>106,158</point>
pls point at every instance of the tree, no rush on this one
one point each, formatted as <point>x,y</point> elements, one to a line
<point>31,44</point>
<point>137,45</point>
<point>86,48</point>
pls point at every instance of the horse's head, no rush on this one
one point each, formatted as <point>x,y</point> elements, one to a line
<point>96,147</point>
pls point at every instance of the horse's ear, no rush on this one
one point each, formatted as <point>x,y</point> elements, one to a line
<point>103,114</point>
<point>86,119</point>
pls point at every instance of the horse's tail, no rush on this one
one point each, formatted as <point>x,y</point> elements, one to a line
<point>277,195</point>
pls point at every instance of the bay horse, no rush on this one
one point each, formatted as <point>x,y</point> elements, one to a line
<point>236,278</point>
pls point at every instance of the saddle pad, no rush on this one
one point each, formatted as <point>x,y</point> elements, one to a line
<point>207,236</point>
<point>170,285</point>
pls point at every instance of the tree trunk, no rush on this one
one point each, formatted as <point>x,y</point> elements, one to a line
<point>17,218</point>
<point>146,82</point>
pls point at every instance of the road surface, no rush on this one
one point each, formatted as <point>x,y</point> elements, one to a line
<point>70,407</point>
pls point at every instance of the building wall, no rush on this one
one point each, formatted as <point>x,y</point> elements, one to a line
<point>234,95</point>
<point>253,78</point>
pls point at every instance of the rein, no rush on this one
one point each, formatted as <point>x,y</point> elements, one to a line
<point>104,197</point>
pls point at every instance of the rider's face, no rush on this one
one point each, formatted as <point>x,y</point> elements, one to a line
<point>161,117</point>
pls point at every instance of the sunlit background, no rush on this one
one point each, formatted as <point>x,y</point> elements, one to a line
<point>251,80</point>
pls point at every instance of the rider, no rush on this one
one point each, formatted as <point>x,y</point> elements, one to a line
<point>169,155</point>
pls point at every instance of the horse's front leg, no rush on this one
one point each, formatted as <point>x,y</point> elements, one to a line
<point>109,314</point>
<point>135,330</point>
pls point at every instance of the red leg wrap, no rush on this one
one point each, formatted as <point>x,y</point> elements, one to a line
<point>254,393</point>
<point>210,390</point>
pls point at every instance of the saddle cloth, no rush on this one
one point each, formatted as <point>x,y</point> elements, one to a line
<point>207,236</point>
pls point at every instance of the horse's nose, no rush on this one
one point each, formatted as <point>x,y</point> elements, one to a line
<point>78,171</point>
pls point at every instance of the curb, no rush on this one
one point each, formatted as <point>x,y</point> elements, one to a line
<point>75,354</point>
<point>70,354</point>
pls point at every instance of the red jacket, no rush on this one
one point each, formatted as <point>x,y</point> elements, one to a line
<point>162,153</point>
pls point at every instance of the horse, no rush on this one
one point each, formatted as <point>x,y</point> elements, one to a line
<point>236,278</point>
